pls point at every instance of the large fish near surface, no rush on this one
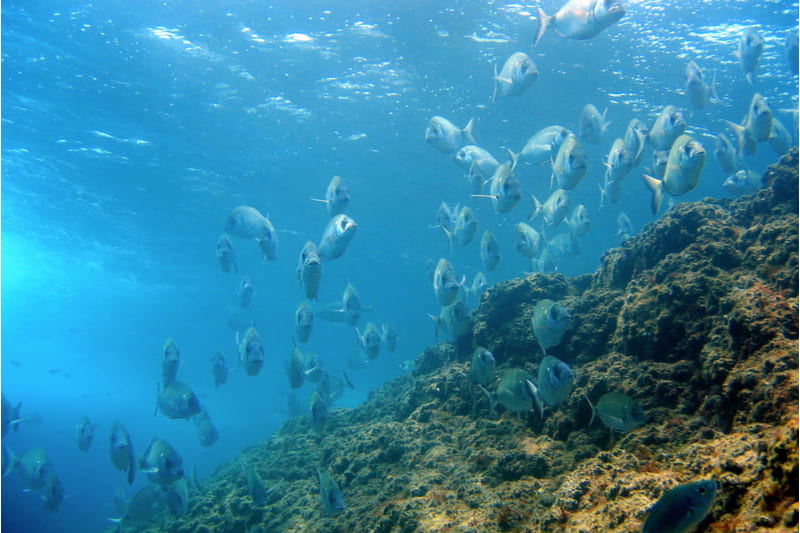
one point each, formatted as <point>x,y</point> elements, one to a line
<point>751,44</point>
<point>309,270</point>
<point>755,128</point>
<point>569,165</point>
<point>121,450</point>
<point>225,254</point>
<point>446,137</point>
<point>592,126</point>
<point>504,190</point>
<point>446,283</point>
<point>251,351</point>
<point>490,251</point>
<point>337,196</point>
<point>329,494</point>
<point>684,166</point>
<point>337,236</point>
<point>519,72</point>
<point>699,92</point>
<point>580,19</point>
<point>177,400</point>
<point>542,147</point>
<point>668,126</point>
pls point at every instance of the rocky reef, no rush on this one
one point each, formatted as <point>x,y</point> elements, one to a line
<point>696,318</point>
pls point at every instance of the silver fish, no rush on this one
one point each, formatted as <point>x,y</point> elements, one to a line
<point>337,196</point>
<point>446,217</point>
<point>370,341</point>
<point>267,240</point>
<point>504,189</point>
<point>779,137</point>
<point>251,351</point>
<point>580,19</point>
<point>579,221</point>
<point>542,147</point>
<point>446,137</point>
<point>685,164</point>
<point>225,254</point>
<point>513,391</point>
<point>555,209</point>
<point>454,319</point>
<point>742,182</point>
<point>34,466</point>
<point>564,245</point>
<point>303,322</point>
<point>348,310</point>
<point>329,494</point>
<point>476,160</point>
<point>618,164</point>
<point>570,164</point>
<point>296,368</point>
<point>490,251</point>
<point>668,126</point>
<point>592,126</point>
<point>465,227</point>
<point>446,283</point>
<point>170,362</point>
<point>725,154</point>
<point>519,72</point>
<point>478,286</point>
<point>337,236</point>
<point>624,227</point>
<point>389,337</point>
<point>618,411</point>
<point>635,138</point>
<point>751,44</point>
<point>309,270</point>
<point>699,92</point>
<point>527,240</point>
<point>545,263</point>
<point>245,222</point>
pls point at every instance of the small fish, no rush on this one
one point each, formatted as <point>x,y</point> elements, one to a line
<point>219,369</point>
<point>446,283</point>
<point>756,127</point>
<point>337,236</point>
<point>684,166</point>
<point>556,380</point>
<point>504,190</point>
<point>348,310</point>
<point>618,411</point>
<point>624,227</point>
<point>580,19</point>
<point>490,251</point>
<point>446,137</point>
<point>516,391</point>
<point>742,181</point>
<point>309,270</point>
<point>225,254</point>
<point>481,366</point>
<point>466,226</point>
<point>246,290</point>
<point>303,322</point>
<point>171,361</point>
<point>256,487</point>
<point>178,497</point>
<point>122,455</point>
<point>635,138</point>
<point>337,196</point>
<point>527,240</point>
<point>725,154</point>
<point>668,126</point>
<point>85,433</point>
<point>388,337</point>
<point>592,126</point>
<point>454,319</point>
<point>569,165</point>
<point>682,508</point>
<point>34,466</point>
<point>549,321</point>
<point>251,351</point>
<point>580,221</point>
<point>52,493</point>
<point>518,73</point>
<point>206,430</point>
<point>177,400</point>
<point>751,44</point>
<point>245,222</point>
<point>476,160</point>
<point>329,494</point>
<point>699,92</point>
<point>161,463</point>
<point>267,240</point>
<point>542,147</point>
<point>555,209</point>
<point>317,411</point>
<point>370,341</point>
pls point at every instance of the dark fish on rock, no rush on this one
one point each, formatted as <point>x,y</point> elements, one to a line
<point>303,322</point>
<point>219,369</point>
<point>177,497</point>
<point>618,411</point>
<point>684,166</point>
<point>85,433</point>
<point>329,494</point>
<point>317,411</point>
<point>549,321</point>
<point>454,319</point>
<point>743,181</point>
<point>309,270</point>
<point>446,137</point>
<point>161,463</point>
<point>518,73</point>
<point>482,365</point>
<point>121,450</point>
<point>177,400</point>
<point>251,351</point>
<point>337,196</point>
<point>556,380</point>
<point>52,493</point>
<point>751,44</point>
<point>225,254</point>
<point>682,508</point>
<point>580,19</point>
<point>256,487</point>
<point>337,236</point>
<point>517,392</point>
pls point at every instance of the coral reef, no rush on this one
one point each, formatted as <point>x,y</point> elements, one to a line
<point>696,318</point>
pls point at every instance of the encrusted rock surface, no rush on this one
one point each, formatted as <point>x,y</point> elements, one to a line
<point>696,318</point>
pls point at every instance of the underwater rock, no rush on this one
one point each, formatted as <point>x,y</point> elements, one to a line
<point>695,319</point>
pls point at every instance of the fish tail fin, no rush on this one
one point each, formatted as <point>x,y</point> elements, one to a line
<point>534,391</point>
<point>642,138</point>
<point>603,198</point>
<point>544,21</point>
<point>435,324</point>
<point>514,159</point>
<point>494,93</point>
<point>592,407</point>
<point>13,461</point>
<point>492,401</point>
<point>656,186</point>
<point>468,131</point>
<point>714,97</point>
<point>739,131</point>
<point>449,235</point>
<point>537,208</point>
<point>751,78</point>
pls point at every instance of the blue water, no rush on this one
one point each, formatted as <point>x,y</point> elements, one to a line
<point>129,130</point>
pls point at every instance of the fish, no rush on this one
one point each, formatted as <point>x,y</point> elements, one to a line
<point>684,166</point>
<point>246,290</point>
<point>245,222</point>
<point>446,137</point>
<point>479,284</point>
<point>303,322</point>
<point>635,138</point>
<point>619,163</point>
<point>542,147</point>
<point>779,137</point>
<point>219,369</point>
<point>370,341</point>
<point>446,283</point>
<point>52,493</point>
<point>317,411</point>
<point>146,503</point>
<point>161,463</point>
<point>33,466</point>
<point>476,160</point>
<point>756,127</point>
<point>660,160</point>
<point>748,52</point>
<point>490,251</point>
<point>570,165</point>
<point>225,254</point>
<point>177,497</point>
<point>556,380</point>
<point>624,227</point>
<point>171,361</point>
<point>121,450</point>
<point>555,208</point>
<point>743,181</point>
<point>725,154</point>
<point>454,319</point>
<point>592,126</point>
<point>177,400</point>
<point>446,217</point>
<point>329,494</point>
<point>790,46</point>
<point>337,196</point>
<point>681,508</point>
<point>580,19</point>
<point>267,240</point>
<point>309,270</point>
<point>331,387</point>
<point>348,310</point>
<point>296,368</point>
<point>504,190</point>
<point>337,236</point>
<point>580,221</point>
<point>85,433</point>
<point>517,75</point>
<point>527,240</point>
<point>481,368</point>
<point>389,337</point>
<point>517,392</point>
<point>546,263</point>
<point>668,126</point>
<point>251,351</point>
<point>206,430</point>
<point>618,411</point>
<point>465,228</point>
<point>564,245</point>
<point>256,487</point>
<point>549,322</point>
<point>10,416</point>
<point>313,367</point>
<point>699,92</point>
